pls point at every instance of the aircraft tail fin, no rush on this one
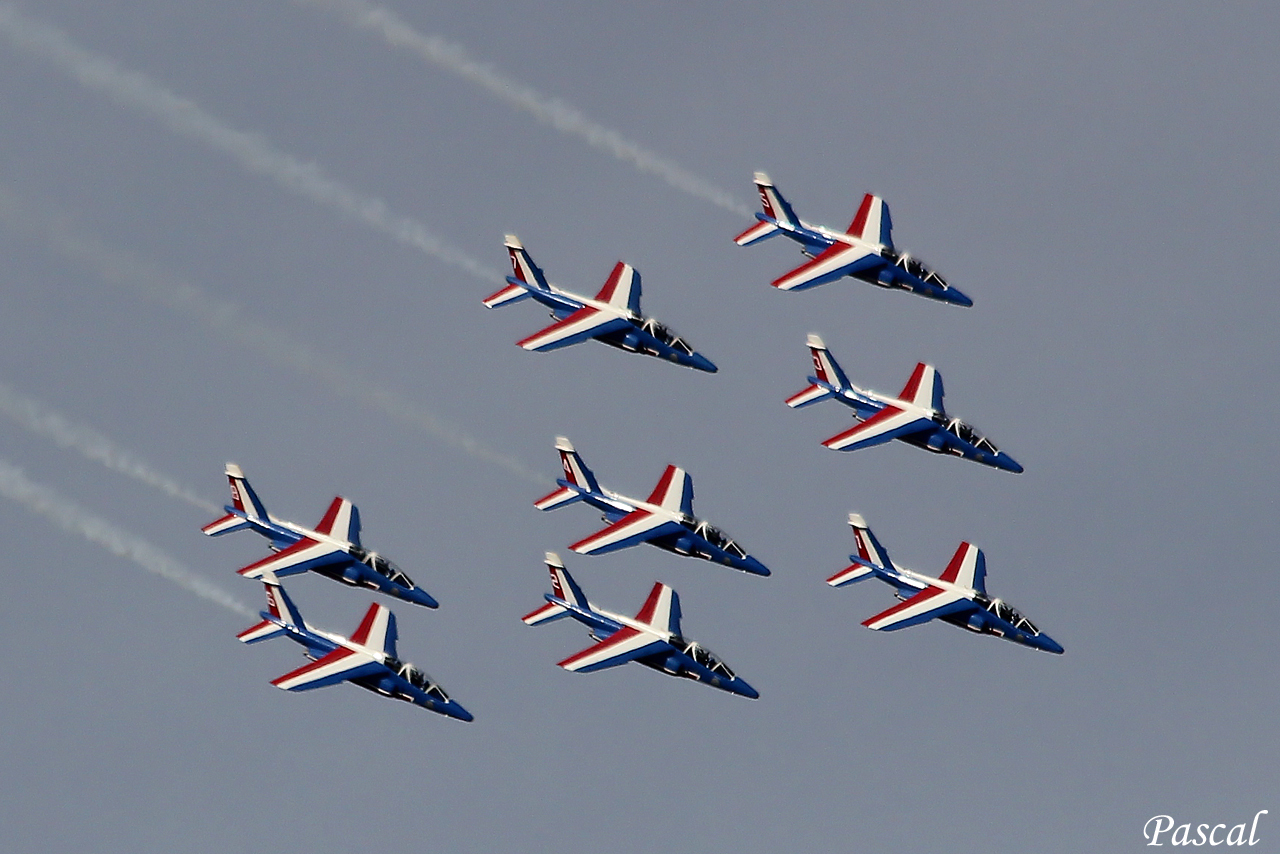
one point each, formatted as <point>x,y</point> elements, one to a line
<point>830,378</point>
<point>580,478</point>
<point>870,559</point>
<point>776,212</point>
<point>564,588</point>
<point>526,276</point>
<point>251,513</point>
<point>281,615</point>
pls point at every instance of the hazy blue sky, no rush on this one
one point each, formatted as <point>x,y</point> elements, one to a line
<point>260,232</point>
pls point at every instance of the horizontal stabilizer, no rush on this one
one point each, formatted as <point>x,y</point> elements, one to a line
<point>563,495</point>
<point>850,574</point>
<point>810,394</point>
<point>511,293</point>
<point>756,233</point>
<point>262,631</point>
<point>226,525</point>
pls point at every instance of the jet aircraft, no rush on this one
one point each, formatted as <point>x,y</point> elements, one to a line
<point>652,637</point>
<point>864,250</point>
<point>958,596</point>
<point>916,416</point>
<point>368,658</point>
<point>333,549</point>
<point>665,519</point>
<point>612,317</point>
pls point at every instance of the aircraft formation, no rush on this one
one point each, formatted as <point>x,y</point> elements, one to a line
<point>653,637</point>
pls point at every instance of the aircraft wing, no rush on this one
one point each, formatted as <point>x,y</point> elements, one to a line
<point>887,424</point>
<point>929,603</point>
<point>586,322</point>
<point>637,526</point>
<point>626,644</point>
<point>303,555</point>
<point>341,665</point>
<point>836,261</point>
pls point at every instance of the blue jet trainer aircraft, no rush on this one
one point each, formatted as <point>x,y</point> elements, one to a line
<point>333,549</point>
<point>865,251</point>
<point>665,520</point>
<point>613,317</point>
<point>652,637</point>
<point>368,658</point>
<point>916,416</point>
<point>958,597</point>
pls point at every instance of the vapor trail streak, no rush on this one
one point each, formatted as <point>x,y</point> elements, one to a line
<point>91,444</point>
<point>229,321</point>
<point>131,89</point>
<point>69,516</point>
<point>561,116</point>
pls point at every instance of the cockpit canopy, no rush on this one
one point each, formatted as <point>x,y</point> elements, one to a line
<point>915,267</point>
<point>703,656</point>
<point>964,432</point>
<point>666,336</point>
<point>382,566</point>
<point>719,539</point>
<point>1009,614</point>
<point>415,677</point>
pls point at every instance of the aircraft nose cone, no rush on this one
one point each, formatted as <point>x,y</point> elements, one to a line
<point>753,566</point>
<point>958,297</point>
<point>418,596</point>
<point>742,689</point>
<point>1048,644</point>
<point>1008,463</point>
<point>701,363</point>
<point>455,710</point>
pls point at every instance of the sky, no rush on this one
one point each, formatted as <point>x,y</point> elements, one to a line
<point>260,232</point>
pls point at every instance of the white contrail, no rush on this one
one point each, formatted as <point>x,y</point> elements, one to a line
<point>69,516</point>
<point>38,418</point>
<point>254,153</point>
<point>229,321</point>
<point>563,117</point>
